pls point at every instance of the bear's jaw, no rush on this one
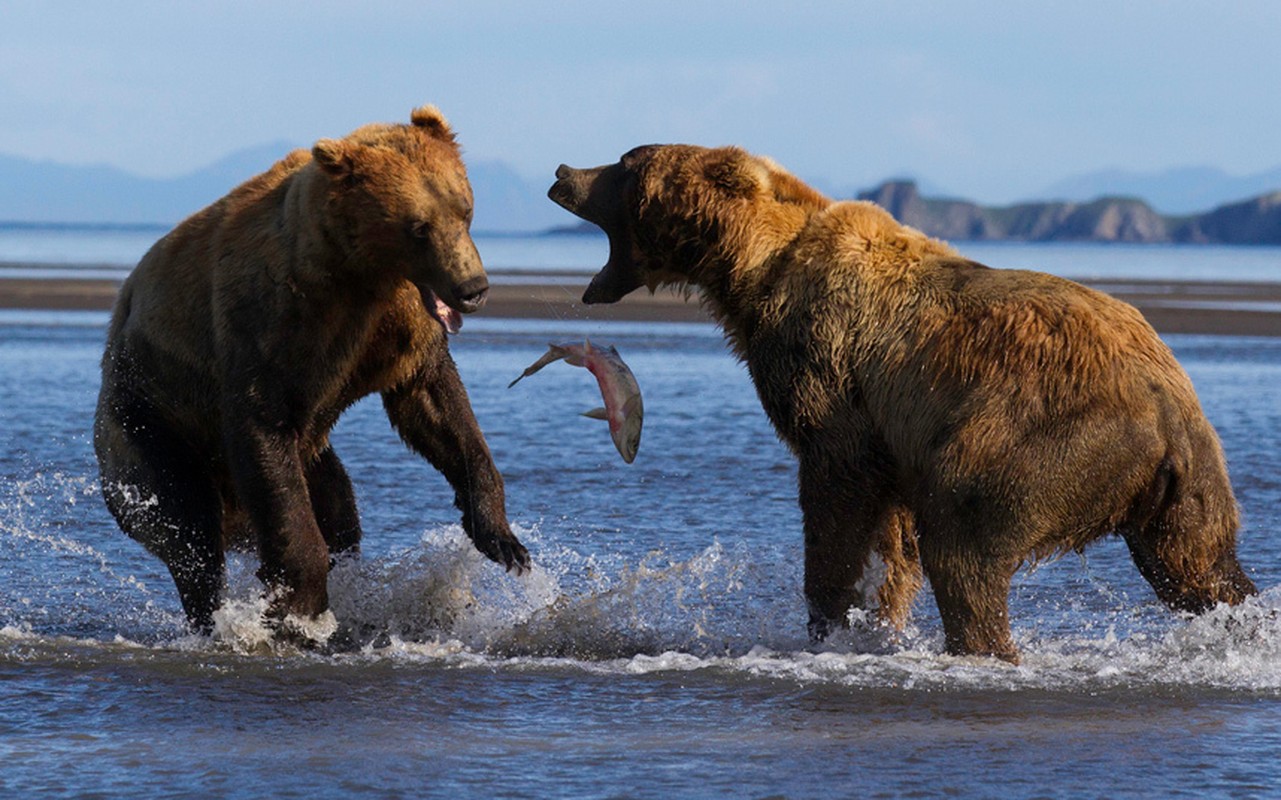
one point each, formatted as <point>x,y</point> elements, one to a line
<point>597,195</point>
<point>618,278</point>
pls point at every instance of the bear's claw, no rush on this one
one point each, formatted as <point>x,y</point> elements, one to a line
<point>506,551</point>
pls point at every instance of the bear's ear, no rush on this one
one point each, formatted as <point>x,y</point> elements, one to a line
<point>637,156</point>
<point>735,172</point>
<point>431,120</point>
<point>333,157</point>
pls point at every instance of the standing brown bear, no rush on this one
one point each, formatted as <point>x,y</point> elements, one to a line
<point>943,413</point>
<point>245,332</point>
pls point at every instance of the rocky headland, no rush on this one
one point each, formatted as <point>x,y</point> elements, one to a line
<point>1107,219</point>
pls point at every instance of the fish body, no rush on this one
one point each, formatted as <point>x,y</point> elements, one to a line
<point>624,409</point>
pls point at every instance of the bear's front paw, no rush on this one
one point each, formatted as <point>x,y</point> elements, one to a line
<point>504,548</point>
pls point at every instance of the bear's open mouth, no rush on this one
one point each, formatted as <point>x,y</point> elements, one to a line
<point>449,319</point>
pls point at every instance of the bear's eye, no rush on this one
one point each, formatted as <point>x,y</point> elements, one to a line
<point>419,230</point>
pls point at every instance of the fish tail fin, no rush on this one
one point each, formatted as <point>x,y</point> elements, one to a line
<point>554,352</point>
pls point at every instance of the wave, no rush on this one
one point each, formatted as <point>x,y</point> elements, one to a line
<point>720,611</point>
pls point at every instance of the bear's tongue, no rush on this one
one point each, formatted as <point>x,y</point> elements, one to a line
<point>448,318</point>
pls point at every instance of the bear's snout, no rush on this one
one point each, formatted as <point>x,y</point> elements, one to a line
<point>562,192</point>
<point>571,190</point>
<point>472,294</point>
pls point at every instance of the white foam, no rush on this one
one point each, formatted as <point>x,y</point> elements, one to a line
<point>241,624</point>
<point>699,614</point>
<point>445,602</point>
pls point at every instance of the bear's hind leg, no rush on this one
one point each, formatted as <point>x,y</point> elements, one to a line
<point>1183,540</point>
<point>858,545</point>
<point>166,503</point>
<point>899,552</point>
<point>334,503</point>
<point>972,592</point>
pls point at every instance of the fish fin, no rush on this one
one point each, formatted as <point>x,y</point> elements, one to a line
<point>634,405</point>
<point>597,413</point>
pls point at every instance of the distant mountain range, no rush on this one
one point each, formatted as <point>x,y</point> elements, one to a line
<point>47,192</point>
<point>44,191</point>
<point>1186,190</point>
<point>1108,219</point>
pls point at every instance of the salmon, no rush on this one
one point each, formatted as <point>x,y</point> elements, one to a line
<point>624,410</point>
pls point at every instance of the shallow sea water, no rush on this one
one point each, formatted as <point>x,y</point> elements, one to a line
<point>658,648</point>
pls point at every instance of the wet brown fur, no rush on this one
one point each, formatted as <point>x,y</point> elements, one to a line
<point>244,333</point>
<point>987,417</point>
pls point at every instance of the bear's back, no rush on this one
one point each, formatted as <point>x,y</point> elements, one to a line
<point>164,309</point>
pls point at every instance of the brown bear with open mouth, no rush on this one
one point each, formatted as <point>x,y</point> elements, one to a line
<point>244,333</point>
<point>944,414</point>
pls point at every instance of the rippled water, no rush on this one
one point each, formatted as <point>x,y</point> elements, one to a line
<point>658,648</point>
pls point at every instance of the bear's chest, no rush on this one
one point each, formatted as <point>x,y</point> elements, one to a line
<point>807,375</point>
<point>397,347</point>
<point>380,349</point>
<point>795,390</point>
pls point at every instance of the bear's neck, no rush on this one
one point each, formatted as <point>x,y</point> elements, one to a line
<point>740,287</point>
<point>315,256</point>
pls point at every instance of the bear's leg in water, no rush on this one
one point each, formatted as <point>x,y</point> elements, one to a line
<point>271,483</point>
<point>161,498</point>
<point>901,559</point>
<point>972,589</point>
<point>334,503</point>
<point>845,512</point>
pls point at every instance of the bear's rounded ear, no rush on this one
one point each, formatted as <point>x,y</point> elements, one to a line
<point>735,172</point>
<point>431,120</point>
<point>332,156</point>
<point>633,158</point>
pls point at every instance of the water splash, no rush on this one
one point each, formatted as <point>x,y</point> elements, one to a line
<point>56,576</point>
<point>719,611</point>
<point>728,610</point>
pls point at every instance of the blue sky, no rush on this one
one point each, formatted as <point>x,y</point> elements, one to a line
<point>989,100</point>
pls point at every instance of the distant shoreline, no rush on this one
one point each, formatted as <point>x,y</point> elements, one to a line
<point>1204,307</point>
<point>146,227</point>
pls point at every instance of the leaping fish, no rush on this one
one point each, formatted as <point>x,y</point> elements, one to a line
<point>623,409</point>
